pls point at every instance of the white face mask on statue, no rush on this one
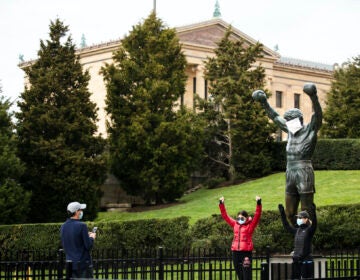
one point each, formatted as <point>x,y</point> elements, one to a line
<point>294,125</point>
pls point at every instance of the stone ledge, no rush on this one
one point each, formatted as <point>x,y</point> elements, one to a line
<point>118,205</point>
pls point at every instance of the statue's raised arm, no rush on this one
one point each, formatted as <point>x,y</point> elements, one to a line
<point>316,119</point>
<point>260,96</point>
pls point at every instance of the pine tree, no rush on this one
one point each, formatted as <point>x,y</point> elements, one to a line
<point>153,148</point>
<point>11,168</point>
<point>56,127</point>
<point>238,131</point>
<point>342,113</point>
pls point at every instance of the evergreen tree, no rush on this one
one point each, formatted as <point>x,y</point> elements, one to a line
<point>238,131</point>
<point>14,201</point>
<point>56,126</point>
<point>153,148</point>
<point>342,113</point>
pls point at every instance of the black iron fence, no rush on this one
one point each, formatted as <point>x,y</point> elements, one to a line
<point>162,264</point>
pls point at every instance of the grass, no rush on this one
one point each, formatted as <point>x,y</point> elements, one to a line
<point>332,187</point>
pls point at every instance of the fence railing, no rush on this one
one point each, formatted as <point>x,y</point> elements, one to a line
<point>162,264</point>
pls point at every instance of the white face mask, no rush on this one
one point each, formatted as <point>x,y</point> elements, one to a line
<point>294,125</point>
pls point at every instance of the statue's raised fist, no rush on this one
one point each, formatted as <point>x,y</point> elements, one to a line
<point>310,89</point>
<point>259,95</point>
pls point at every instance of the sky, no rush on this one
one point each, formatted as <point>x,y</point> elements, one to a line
<point>324,31</point>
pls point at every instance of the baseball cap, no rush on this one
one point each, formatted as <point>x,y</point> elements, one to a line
<point>303,214</point>
<point>74,206</point>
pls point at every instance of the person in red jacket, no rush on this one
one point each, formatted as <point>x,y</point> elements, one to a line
<point>242,244</point>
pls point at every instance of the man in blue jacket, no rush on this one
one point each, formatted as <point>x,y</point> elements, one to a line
<point>77,241</point>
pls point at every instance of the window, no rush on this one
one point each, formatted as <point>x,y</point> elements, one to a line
<point>297,100</point>
<point>194,92</point>
<point>278,99</point>
<point>194,85</point>
<point>278,137</point>
<point>206,90</point>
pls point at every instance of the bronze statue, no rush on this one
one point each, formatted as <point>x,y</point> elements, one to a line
<point>300,147</point>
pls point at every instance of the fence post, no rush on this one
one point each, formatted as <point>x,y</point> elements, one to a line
<point>161,263</point>
<point>60,264</point>
<point>265,265</point>
<point>264,271</point>
<point>68,274</point>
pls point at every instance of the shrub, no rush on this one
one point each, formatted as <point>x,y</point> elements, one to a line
<point>129,235</point>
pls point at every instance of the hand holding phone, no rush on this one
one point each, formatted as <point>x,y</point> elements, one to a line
<point>92,234</point>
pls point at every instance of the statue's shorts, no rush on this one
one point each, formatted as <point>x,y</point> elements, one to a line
<point>299,177</point>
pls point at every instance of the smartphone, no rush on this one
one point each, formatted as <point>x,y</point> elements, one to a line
<point>94,229</point>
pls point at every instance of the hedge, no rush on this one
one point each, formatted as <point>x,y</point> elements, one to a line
<point>337,229</point>
<point>140,234</point>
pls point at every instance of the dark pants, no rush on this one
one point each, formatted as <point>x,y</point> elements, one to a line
<point>303,270</point>
<point>82,272</point>
<point>242,264</point>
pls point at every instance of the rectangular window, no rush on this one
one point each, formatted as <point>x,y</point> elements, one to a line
<point>297,100</point>
<point>278,99</point>
<point>194,85</point>
<point>194,92</point>
<point>205,90</point>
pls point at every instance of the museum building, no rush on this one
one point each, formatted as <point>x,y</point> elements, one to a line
<point>285,77</point>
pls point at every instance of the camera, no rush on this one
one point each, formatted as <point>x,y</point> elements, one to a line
<point>94,229</point>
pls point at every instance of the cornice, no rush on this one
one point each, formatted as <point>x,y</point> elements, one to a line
<point>297,69</point>
<point>99,48</point>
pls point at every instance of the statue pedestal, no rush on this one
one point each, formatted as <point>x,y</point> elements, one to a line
<point>280,267</point>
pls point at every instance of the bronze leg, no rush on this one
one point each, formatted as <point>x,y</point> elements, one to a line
<point>307,201</point>
<point>291,207</point>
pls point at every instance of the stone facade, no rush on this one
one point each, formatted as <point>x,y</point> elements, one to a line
<point>284,77</point>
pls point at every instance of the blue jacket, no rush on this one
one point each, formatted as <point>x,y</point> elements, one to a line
<point>76,242</point>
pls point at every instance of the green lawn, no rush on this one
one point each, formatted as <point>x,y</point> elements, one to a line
<point>332,187</point>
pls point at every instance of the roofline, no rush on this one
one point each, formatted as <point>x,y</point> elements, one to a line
<point>113,45</point>
<point>225,25</point>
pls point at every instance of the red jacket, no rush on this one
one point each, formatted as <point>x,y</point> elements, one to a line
<point>242,233</point>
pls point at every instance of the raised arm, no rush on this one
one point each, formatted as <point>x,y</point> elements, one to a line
<point>314,219</point>
<point>257,215</point>
<point>316,119</point>
<point>224,214</point>
<point>261,97</point>
<point>285,222</point>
